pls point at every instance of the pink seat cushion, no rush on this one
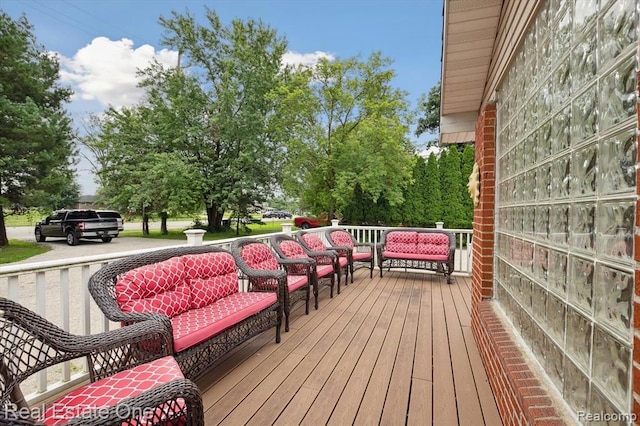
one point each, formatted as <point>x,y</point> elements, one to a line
<point>197,325</point>
<point>360,255</point>
<point>112,390</point>
<point>341,238</point>
<point>159,287</point>
<point>211,276</point>
<point>343,261</point>
<point>294,282</point>
<point>324,270</point>
<point>415,256</point>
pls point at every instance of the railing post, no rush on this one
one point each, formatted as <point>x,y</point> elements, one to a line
<point>286,228</point>
<point>194,236</point>
<point>439,225</point>
<point>335,222</point>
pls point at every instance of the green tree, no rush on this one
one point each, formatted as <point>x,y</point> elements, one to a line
<point>429,106</point>
<point>451,187</point>
<point>349,132</point>
<point>231,71</point>
<point>413,208</point>
<point>432,194</point>
<point>36,139</point>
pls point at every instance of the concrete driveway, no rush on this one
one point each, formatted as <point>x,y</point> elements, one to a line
<point>61,250</point>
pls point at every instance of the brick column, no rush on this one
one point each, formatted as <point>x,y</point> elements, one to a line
<point>484,212</point>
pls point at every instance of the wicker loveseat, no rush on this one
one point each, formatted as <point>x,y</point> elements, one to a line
<point>417,248</point>
<point>133,378</point>
<point>196,291</point>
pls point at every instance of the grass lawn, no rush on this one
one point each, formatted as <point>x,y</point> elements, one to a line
<point>19,250</point>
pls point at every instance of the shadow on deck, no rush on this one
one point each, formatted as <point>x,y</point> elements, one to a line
<point>396,350</point>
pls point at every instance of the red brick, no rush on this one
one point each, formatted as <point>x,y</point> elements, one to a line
<point>538,412</point>
<point>536,401</point>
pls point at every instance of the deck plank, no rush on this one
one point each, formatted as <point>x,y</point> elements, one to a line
<point>391,350</point>
<point>444,395</point>
<point>380,385</point>
<point>335,384</point>
<point>396,403</point>
<point>469,411</point>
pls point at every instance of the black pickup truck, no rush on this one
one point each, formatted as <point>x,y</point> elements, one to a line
<point>76,224</point>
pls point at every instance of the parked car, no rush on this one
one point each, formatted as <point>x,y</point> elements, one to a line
<point>305,222</point>
<point>278,214</point>
<point>76,224</point>
<point>112,214</point>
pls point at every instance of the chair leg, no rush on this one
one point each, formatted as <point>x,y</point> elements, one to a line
<point>351,267</point>
<point>315,292</point>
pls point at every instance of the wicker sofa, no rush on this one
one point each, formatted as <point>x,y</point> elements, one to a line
<point>417,248</point>
<point>133,378</point>
<point>196,291</point>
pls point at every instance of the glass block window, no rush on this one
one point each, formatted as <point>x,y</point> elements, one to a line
<point>566,197</point>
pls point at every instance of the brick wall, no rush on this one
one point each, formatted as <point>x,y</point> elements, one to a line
<point>520,396</point>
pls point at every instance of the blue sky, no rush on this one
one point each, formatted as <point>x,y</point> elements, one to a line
<point>101,43</point>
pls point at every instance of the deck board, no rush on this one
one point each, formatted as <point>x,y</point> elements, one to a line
<point>391,350</point>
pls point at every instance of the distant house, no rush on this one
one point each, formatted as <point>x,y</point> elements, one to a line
<point>86,202</point>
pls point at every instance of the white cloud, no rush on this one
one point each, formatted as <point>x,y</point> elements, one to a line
<point>105,70</point>
<point>307,59</point>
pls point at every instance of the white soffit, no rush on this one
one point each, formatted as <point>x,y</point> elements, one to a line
<point>469,32</point>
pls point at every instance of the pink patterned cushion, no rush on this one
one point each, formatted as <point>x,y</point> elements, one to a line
<point>324,270</point>
<point>294,282</point>
<point>259,256</point>
<point>159,287</point>
<point>433,243</point>
<point>361,255</point>
<point>292,249</point>
<point>402,242</point>
<point>197,325</point>
<point>314,242</point>
<point>211,276</point>
<point>415,256</point>
<point>112,390</point>
<point>341,238</point>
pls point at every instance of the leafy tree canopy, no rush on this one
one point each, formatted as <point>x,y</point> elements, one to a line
<point>37,151</point>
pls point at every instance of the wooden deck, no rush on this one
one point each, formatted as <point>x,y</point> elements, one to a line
<point>391,351</point>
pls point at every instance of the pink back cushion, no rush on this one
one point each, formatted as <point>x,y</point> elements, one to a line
<point>259,256</point>
<point>292,249</point>
<point>211,276</point>
<point>433,243</point>
<point>402,242</point>
<point>159,287</point>
<point>341,238</point>
<point>314,242</point>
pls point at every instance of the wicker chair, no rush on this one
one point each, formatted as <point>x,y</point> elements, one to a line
<point>361,253</point>
<point>265,271</point>
<point>287,247</point>
<point>133,380</point>
<point>311,241</point>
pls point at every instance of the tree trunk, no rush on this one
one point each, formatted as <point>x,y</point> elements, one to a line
<point>214,219</point>
<point>145,224</point>
<point>163,223</point>
<point>4,240</point>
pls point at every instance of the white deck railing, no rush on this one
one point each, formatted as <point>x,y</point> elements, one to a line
<point>58,291</point>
